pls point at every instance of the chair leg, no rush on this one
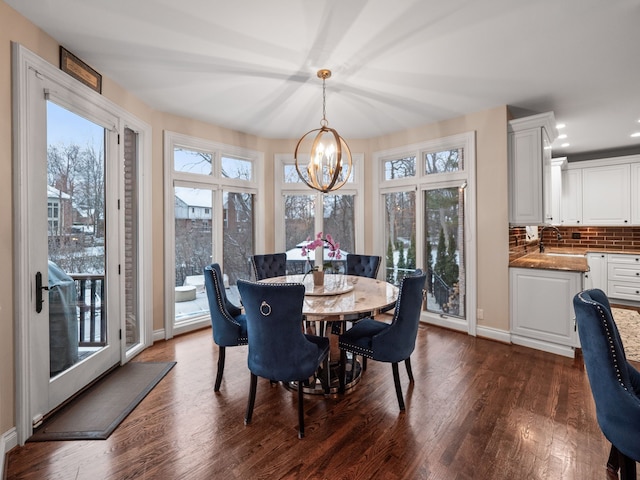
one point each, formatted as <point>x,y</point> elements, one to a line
<point>627,467</point>
<point>407,363</point>
<point>221,356</point>
<point>342,371</point>
<point>364,363</point>
<point>300,411</point>
<point>396,381</point>
<point>327,385</point>
<point>612,464</point>
<point>252,399</point>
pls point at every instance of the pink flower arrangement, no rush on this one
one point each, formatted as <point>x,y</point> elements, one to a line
<point>334,247</point>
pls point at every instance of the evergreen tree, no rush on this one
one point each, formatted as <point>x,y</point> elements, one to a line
<point>402,264</point>
<point>452,264</point>
<point>429,268</point>
<point>440,266</point>
<point>390,263</point>
<point>411,253</point>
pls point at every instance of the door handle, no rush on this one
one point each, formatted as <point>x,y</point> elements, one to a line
<point>39,289</point>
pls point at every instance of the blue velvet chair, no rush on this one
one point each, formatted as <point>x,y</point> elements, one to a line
<point>278,349</point>
<point>269,265</point>
<point>363,265</point>
<point>227,320</point>
<point>615,384</point>
<point>384,342</point>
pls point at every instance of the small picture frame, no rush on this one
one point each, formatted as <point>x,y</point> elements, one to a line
<point>79,70</point>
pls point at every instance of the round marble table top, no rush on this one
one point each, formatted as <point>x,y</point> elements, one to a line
<point>343,294</point>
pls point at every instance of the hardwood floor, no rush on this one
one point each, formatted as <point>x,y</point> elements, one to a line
<point>478,410</point>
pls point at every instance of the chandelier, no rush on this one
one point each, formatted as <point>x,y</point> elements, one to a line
<point>330,163</point>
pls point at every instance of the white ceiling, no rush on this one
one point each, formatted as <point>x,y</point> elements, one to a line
<point>250,65</point>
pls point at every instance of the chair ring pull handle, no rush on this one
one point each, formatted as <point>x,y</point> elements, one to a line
<point>265,309</point>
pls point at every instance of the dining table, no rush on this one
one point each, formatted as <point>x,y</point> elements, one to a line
<point>328,308</point>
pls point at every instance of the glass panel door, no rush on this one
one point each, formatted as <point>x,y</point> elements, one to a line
<point>193,250</point>
<point>400,228</point>
<point>76,238</point>
<point>444,251</point>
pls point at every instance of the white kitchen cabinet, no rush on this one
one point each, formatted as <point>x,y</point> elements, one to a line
<point>635,193</point>
<point>606,197</point>
<point>597,276</point>
<point>571,205</point>
<point>624,277</point>
<point>552,172</point>
<point>529,149</point>
<point>542,314</point>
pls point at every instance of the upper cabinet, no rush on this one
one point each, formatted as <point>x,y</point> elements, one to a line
<point>571,203</point>
<point>602,192</point>
<point>606,195</point>
<point>529,147</point>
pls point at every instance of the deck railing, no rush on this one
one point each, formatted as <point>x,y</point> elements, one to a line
<point>92,315</point>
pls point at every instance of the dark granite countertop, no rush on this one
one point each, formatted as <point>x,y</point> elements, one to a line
<point>572,260</point>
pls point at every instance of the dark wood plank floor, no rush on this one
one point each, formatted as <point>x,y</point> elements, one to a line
<point>478,410</point>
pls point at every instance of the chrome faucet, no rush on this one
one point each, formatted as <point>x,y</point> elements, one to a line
<point>558,236</point>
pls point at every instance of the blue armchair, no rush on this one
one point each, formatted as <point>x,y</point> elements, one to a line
<point>269,265</point>
<point>278,349</point>
<point>615,384</point>
<point>391,343</point>
<point>363,265</point>
<point>227,320</point>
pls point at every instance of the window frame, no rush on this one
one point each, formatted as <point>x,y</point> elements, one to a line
<point>421,183</point>
<point>218,184</point>
<point>355,188</point>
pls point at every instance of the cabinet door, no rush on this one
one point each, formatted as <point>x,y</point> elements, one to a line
<point>541,304</point>
<point>596,277</point>
<point>525,177</point>
<point>553,191</point>
<point>606,196</point>
<point>571,205</point>
<point>635,193</point>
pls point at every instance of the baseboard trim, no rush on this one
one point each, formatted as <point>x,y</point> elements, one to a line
<point>550,347</point>
<point>158,335</point>
<point>494,334</point>
<point>8,440</point>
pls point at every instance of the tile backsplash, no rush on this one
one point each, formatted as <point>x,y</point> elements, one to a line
<point>610,238</point>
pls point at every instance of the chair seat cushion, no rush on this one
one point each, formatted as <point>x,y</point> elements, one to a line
<point>359,338</point>
<point>242,330</point>
<point>240,335</point>
<point>322,343</point>
<point>232,309</point>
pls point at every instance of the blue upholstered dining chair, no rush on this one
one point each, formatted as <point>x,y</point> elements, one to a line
<point>227,320</point>
<point>363,265</point>
<point>278,349</point>
<point>384,342</point>
<point>269,265</point>
<point>615,384</point>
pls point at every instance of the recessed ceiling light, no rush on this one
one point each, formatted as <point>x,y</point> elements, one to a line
<point>564,135</point>
<point>562,125</point>
<point>636,134</point>
<point>564,145</point>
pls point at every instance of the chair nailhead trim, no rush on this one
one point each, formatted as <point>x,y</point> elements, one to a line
<point>603,317</point>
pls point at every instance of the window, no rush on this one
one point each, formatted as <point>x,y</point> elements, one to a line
<point>212,214</point>
<point>426,216</point>
<point>304,212</point>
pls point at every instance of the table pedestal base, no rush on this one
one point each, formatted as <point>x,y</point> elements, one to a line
<point>316,387</point>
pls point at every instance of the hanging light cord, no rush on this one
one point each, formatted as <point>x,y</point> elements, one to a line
<point>324,122</point>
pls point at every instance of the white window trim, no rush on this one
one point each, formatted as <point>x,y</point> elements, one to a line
<point>422,182</point>
<point>356,188</point>
<point>218,185</point>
